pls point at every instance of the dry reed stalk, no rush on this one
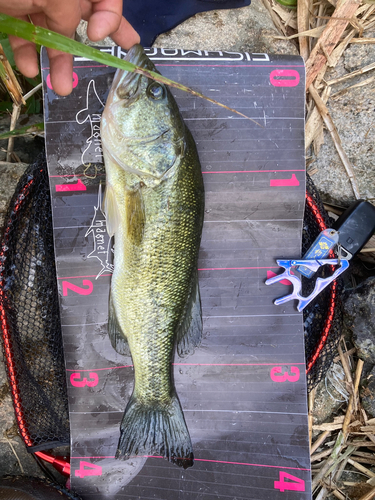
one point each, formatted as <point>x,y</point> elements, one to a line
<point>333,31</point>
<point>363,40</point>
<point>328,426</point>
<point>360,467</point>
<point>338,495</point>
<point>13,121</point>
<point>369,495</point>
<point>311,399</point>
<point>330,462</point>
<point>10,80</point>
<point>336,139</point>
<point>314,124</point>
<point>303,25</point>
<point>319,456</point>
<point>347,89</point>
<point>288,18</point>
<point>314,32</point>
<point>364,460</point>
<point>345,365</point>
<point>274,17</point>
<point>323,436</point>
<point>358,72</point>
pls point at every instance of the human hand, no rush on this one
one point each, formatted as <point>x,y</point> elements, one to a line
<point>63,16</point>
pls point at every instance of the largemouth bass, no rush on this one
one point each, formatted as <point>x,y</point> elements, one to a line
<point>154,204</point>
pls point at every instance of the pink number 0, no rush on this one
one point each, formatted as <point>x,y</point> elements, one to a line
<point>81,383</point>
<point>291,78</point>
<point>74,83</point>
<point>285,376</point>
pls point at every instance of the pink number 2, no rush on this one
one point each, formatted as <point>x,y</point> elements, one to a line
<point>274,374</point>
<point>66,285</point>
<point>295,483</point>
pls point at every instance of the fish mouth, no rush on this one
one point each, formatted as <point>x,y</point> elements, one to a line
<point>136,55</point>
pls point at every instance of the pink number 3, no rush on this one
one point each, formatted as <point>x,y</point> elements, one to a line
<point>81,383</point>
<point>284,376</point>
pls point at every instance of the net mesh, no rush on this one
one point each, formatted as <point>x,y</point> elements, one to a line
<point>323,316</point>
<point>30,318</point>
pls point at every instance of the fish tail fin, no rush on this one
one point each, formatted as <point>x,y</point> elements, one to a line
<point>155,431</point>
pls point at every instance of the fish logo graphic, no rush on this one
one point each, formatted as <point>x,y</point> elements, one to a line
<point>92,114</point>
<point>103,244</point>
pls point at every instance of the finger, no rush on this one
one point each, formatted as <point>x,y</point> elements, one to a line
<point>86,9</point>
<point>62,17</point>
<point>25,55</point>
<point>61,71</point>
<point>105,19</point>
<point>125,36</point>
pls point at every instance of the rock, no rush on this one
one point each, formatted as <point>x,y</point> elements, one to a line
<point>249,29</point>
<point>367,393</point>
<point>81,36</point>
<point>359,313</point>
<point>9,176</point>
<point>352,113</point>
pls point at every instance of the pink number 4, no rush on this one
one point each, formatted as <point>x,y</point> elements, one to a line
<point>295,483</point>
<point>88,469</point>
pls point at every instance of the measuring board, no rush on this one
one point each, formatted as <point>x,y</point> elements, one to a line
<point>243,391</point>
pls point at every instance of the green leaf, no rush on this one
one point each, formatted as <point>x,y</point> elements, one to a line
<point>27,130</point>
<point>8,51</point>
<point>33,105</point>
<point>6,106</point>
<point>52,40</point>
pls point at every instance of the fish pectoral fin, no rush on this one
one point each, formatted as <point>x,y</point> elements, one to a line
<point>135,212</point>
<point>189,335</point>
<point>111,210</point>
<point>116,335</point>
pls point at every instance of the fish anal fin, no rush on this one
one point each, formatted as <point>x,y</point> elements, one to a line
<point>111,210</point>
<point>189,335</point>
<point>117,337</point>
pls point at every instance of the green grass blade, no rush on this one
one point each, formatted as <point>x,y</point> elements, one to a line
<point>52,40</point>
<point>27,130</point>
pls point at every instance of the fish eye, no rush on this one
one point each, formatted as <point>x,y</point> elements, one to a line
<point>155,90</point>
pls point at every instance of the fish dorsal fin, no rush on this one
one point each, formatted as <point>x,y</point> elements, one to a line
<point>189,335</point>
<point>116,335</point>
<point>135,215</point>
<point>111,210</point>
